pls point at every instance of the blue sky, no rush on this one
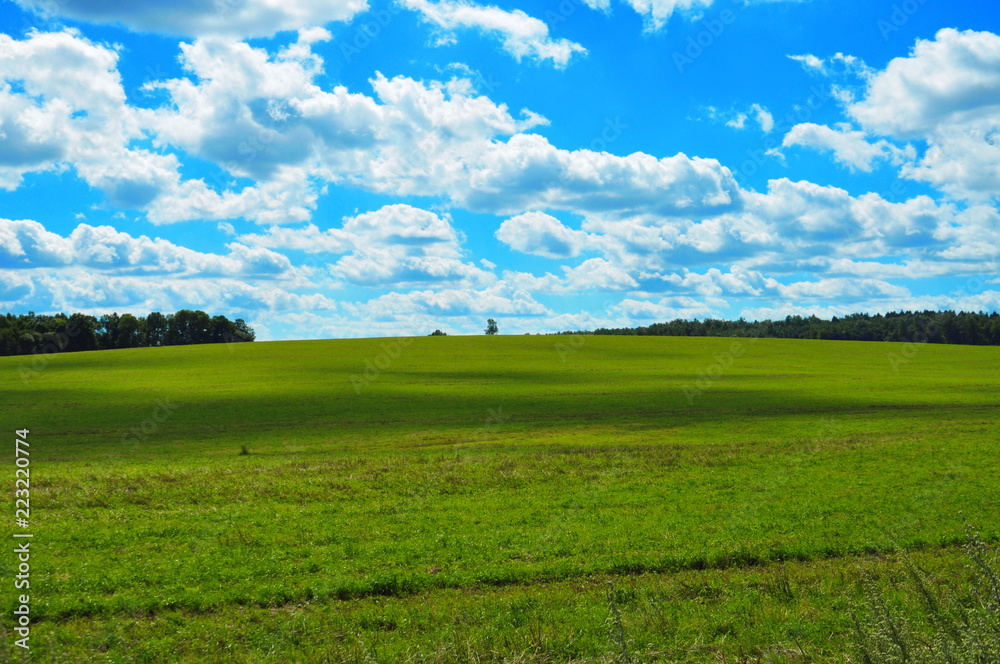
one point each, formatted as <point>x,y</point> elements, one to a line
<point>353,168</point>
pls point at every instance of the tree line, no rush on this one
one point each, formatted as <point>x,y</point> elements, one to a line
<point>944,327</point>
<point>29,334</point>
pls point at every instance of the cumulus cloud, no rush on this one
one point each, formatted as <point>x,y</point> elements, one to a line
<point>949,80</point>
<point>69,106</point>
<point>97,269</point>
<point>631,310</point>
<point>811,216</point>
<point>15,287</point>
<point>522,36</point>
<point>261,116</point>
<point>790,228</point>
<point>945,93</point>
<point>413,137</point>
<point>598,274</point>
<point>396,245</point>
<point>69,110</point>
<point>78,289</point>
<point>26,244</point>
<point>529,172</point>
<point>850,148</point>
<point>542,235</point>
<point>499,299</point>
<point>199,18</point>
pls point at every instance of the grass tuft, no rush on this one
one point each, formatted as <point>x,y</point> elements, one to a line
<point>943,626</point>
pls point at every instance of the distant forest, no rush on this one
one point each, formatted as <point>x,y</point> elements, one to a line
<point>943,327</point>
<point>32,334</point>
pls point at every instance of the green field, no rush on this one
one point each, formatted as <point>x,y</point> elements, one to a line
<point>490,499</point>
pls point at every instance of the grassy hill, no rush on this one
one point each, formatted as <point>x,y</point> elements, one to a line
<point>459,499</point>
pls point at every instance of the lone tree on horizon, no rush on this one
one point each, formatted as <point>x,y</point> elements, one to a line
<point>492,327</point>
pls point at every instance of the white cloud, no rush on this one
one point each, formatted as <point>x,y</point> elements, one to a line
<point>261,116</point>
<point>974,235</point>
<point>656,13</point>
<point>793,227</point>
<point>850,148</point>
<point>594,274</point>
<point>231,18</point>
<point>497,300</point>
<point>26,244</point>
<point>422,138</point>
<point>950,80</point>
<point>963,162</point>
<point>837,65</point>
<point>542,235</point>
<point>386,268</point>
<point>94,292</point>
<point>73,113</point>
<point>394,246</point>
<point>946,92</point>
<point>529,172</point>
<point>960,301</point>
<point>98,269</point>
<point>406,228</point>
<point>815,219</point>
<point>715,283</point>
<point>598,274</point>
<point>523,36</point>
<point>70,109</point>
<point>15,287</point>
<point>809,61</point>
<point>631,310</point>
<point>308,238</point>
<point>764,118</point>
<point>842,289</point>
<point>738,120</point>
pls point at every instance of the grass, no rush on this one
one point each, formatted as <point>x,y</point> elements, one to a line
<point>469,499</point>
<point>952,630</point>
